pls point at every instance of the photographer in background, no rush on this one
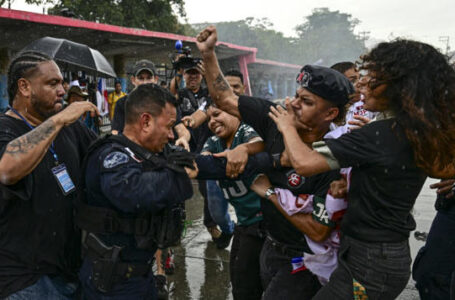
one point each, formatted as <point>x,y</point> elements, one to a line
<point>191,108</point>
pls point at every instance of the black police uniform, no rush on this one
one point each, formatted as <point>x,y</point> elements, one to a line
<point>434,266</point>
<point>130,195</point>
<point>284,241</point>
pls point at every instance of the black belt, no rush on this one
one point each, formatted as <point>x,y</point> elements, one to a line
<point>284,249</point>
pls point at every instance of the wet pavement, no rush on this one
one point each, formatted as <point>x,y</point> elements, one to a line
<point>202,271</point>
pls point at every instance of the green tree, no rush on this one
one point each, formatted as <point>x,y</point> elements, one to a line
<point>156,15</point>
<point>37,2</point>
<point>328,36</point>
<point>258,33</point>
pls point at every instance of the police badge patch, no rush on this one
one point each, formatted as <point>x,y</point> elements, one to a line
<point>114,159</point>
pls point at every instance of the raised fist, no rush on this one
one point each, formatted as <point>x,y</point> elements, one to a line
<point>206,39</point>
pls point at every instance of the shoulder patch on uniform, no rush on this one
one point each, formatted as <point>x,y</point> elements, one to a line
<point>114,159</point>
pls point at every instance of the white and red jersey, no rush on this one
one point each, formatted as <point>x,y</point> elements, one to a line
<point>357,109</point>
<point>324,260</point>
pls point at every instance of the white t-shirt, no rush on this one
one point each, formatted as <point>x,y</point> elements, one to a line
<point>355,109</point>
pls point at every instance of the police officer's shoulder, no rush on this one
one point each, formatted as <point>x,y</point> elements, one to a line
<point>114,155</point>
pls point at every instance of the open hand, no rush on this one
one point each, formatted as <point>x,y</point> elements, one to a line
<point>283,118</point>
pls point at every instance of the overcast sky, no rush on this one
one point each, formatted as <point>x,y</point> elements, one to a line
<point>418,19</point>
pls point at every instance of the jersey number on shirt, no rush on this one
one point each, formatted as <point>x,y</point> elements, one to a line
<point>238,189</point>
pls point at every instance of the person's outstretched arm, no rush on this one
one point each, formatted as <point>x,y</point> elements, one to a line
<point>23,154</point>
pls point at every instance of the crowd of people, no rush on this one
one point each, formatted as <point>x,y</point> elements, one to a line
<point>322,186</point>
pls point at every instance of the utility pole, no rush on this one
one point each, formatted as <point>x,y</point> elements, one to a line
<point>445,39</point>
<point>364,35</point>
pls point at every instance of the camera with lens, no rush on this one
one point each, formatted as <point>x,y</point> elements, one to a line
<point>186,60</point>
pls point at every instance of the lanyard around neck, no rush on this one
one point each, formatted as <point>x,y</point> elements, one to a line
<point>51,148</point>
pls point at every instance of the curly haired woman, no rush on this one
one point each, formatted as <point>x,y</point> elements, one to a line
<point>412,85</point>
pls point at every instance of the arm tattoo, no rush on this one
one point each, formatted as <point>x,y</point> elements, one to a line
<point>220,83</point>
<point>27,142</point>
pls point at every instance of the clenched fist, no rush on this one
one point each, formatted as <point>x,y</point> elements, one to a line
<point>206,40</point>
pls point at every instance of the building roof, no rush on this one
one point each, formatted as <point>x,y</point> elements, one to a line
<point>20,28</point>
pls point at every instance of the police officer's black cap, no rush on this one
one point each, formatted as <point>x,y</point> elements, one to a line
<point>142,65</point>
<point>327,83</point>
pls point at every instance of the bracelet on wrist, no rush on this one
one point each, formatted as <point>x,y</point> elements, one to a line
<point>269,192</point>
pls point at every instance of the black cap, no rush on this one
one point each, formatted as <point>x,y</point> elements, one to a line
<point>78,91</point>
<point>191,68</point>
<point>142,65</point>
<point>327,83</point>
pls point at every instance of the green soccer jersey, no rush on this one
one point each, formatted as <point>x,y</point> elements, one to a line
<point>245,202</point>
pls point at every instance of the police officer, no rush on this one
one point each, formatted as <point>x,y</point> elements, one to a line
<point>134,194</point>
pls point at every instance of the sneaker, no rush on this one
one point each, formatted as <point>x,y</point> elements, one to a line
<point>214,232</point>
<point>224,240</point>
<point>169,266</point>
<point>161,286</point>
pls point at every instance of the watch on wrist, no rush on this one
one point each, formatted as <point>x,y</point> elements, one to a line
<point>270,191</point>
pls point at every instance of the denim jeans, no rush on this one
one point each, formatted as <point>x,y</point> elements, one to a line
<point>434,266</point>
<point>382,268</point>
<point>47,288</point>
<point>208,221</point>
<point>218,207</point>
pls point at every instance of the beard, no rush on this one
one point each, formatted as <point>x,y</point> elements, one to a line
<point>43,110</point>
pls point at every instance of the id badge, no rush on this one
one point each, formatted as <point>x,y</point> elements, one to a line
<point>63,179</point>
